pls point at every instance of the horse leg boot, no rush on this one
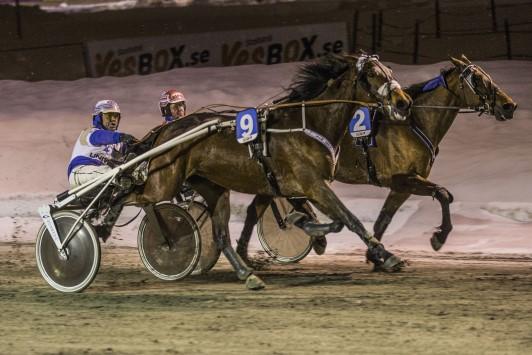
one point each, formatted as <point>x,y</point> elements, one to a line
<point>417,185</point>
<point>254,211</point>
<point>220,224</point>
<point>391,205</point>
<point>319,242</point>
<point>325,199</point>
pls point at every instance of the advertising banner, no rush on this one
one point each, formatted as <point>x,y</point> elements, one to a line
<point>146,55</point>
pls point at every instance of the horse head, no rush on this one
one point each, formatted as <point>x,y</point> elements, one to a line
<point>481,92</point>
<point>377,79</point>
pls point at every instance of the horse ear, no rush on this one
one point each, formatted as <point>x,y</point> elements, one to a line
<point>457,62</point>
<point>464,58</point>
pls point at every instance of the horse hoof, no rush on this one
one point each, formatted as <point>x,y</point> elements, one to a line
<point>435,243</point>
<point>371,259</point>
<point>319,244</point>
<point>436,240</point>
<point>254,283</point>
<point>393,264</point>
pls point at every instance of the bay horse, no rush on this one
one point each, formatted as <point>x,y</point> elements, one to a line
<point>405,151</point>
<point>302,162</point>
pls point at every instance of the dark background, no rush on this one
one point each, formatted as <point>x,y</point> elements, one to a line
<point>39,45</point>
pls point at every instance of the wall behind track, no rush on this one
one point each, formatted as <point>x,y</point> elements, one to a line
<point>52,45</point>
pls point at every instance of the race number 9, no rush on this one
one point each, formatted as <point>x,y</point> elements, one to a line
<point>246,126</point>
<point>360,125</point>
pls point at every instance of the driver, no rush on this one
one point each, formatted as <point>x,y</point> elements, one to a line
<point>173,105</point>
<point>99,148</point>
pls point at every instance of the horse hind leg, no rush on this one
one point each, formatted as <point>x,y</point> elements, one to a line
<point>417,185</point>
<point>220,213</point>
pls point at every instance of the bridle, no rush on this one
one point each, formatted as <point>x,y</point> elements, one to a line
<point>384,92</point>
<point>487,101</point>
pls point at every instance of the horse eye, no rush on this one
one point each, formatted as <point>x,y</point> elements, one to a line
<point>371,74</point>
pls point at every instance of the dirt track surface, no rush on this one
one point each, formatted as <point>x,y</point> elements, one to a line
<point>333,304</point>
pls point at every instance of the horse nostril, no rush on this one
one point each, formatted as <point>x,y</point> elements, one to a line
<point>509,106</point>
<point>402,105</point>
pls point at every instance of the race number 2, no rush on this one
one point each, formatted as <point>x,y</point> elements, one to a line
<point>360,124</point>
<point>247,126</point>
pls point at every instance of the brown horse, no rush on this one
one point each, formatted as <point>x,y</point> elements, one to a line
<point>302,164</point>
<point>406,151</point>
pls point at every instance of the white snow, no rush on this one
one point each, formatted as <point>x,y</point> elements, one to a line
<point>486,164</point>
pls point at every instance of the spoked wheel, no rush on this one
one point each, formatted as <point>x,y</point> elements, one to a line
<point>280,239</point>
<point>75,268</point>
<point>175,258</point>
<point>209,252</point>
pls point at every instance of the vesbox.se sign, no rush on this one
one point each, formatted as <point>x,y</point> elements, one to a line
<point>148,55</point>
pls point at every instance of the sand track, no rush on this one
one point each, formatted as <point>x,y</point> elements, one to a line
<point>453,303</point>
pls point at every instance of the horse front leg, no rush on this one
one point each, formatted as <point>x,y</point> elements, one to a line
<point>417,185</point>
<point>390,207</point>
<point>327,201</point>
<point>254,212</point>
<point>394,200</point>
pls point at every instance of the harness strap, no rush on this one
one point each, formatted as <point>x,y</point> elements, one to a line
<point>372,171</point>
<point>325,142</point>
<point>425,140</point>
<point>269,176</point>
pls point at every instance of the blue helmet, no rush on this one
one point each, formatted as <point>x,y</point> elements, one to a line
<point>103,106</point>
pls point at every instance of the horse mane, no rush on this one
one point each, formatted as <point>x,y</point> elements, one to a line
<point>415,90</point>
<point>313,78</point>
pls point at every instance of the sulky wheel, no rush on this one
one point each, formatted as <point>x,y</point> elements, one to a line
<point>75,268</point>
<point>175,258</point>
<point>209,251</point>
<point>281,239</point>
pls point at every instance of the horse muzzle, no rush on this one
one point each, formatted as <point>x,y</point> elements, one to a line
<point>505,112</point>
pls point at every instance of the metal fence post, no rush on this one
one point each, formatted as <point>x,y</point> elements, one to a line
<point>373,34</point>
<point>355,30</point>
<point>379,31</point>
<point>508,42</point>
<point>437,18</point>
<point>416,43</point>
<point>17,14</point>
<point>493,16</point>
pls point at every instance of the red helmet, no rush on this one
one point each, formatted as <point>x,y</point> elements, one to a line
<point>171,96</point>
